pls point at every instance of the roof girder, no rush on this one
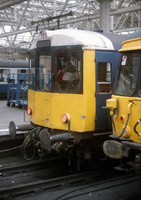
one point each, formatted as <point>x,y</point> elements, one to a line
<point>86,16</point>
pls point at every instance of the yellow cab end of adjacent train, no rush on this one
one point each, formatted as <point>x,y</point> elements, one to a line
<point>125,104</point>
<point>48,108</point>
<point>126,107</point>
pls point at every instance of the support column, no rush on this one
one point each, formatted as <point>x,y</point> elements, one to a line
<point>104,20</point>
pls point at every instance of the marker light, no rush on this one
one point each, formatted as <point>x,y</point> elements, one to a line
<point>65,118</point>
<point>29,111</point>
<point>122,118</point>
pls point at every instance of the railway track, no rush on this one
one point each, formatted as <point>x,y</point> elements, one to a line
<point>52,180</point>
<point>111,189</point>
<point>23,172</point>
<point>80,186</point>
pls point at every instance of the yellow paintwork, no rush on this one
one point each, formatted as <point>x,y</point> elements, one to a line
<point>133,44</point>
<point>48,108</point>
<point>131,105</point>
<point>128,105</point>
<point>111,104</point>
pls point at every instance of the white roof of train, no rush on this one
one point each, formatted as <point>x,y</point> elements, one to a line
<point>88,39</point>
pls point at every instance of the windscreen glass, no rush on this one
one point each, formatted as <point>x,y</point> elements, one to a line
<point>129,70</point>
<point>67,71</point>
<point>56,70</point>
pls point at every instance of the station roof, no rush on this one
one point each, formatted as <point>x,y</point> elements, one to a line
<point>20,19</point>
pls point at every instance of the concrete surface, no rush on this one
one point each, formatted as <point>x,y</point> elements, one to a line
<point>7,114</point>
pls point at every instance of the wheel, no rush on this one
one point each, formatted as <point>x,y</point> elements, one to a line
<point>8,104</point>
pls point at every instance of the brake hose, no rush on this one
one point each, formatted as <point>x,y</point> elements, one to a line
<point>34,138</point>
<point>125,126</point>
<point>30,141</point>
<point>114,122</point>
<point>25,150</point>
<point>129,110</point>
<point>136,126</point>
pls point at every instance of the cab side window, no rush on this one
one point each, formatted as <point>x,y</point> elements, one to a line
<point>104,71</point>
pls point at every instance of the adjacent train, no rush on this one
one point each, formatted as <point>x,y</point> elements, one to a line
<point>125,105</point>
<point>66,102</point>
<point>7,67</point>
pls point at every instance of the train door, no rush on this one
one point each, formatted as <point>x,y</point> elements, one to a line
<point>106,65</point>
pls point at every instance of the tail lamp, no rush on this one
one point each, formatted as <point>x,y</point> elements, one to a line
<point>29,111</point>
<point>122,118</point>
<point>65,118</point>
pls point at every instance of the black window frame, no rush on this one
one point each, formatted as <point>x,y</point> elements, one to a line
<point>137,87</point>
<point>35,54</point>
<point>97,81</point>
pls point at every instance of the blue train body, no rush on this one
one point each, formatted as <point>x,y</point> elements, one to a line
<point>17,89</point>
<point>7,67</point>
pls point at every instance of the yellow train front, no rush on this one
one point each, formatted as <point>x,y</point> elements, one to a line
<point>73,76</point>
<point>125,105</point>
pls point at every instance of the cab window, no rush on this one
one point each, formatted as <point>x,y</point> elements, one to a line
<point>67,71</point>
<point>56,70</point>
<point>128,75</point>
<point>45,72</point>
<point>104,77</point>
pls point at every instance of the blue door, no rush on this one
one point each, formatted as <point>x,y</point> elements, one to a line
<point>106,67</point>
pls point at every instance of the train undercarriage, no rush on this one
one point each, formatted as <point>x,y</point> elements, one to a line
<point>79,147</point>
